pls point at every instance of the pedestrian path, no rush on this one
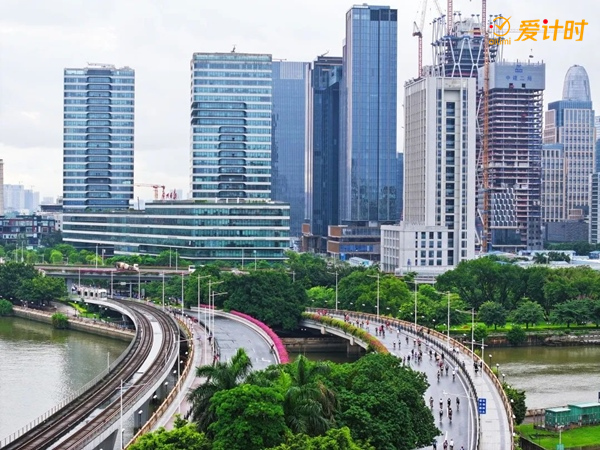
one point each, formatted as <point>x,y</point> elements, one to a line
<point>494,431</point>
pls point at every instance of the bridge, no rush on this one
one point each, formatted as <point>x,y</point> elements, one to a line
<point>488,427</point>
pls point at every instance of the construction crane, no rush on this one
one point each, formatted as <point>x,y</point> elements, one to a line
<point>155,187</point>
<point>485,155</point>
<point>418,30</point>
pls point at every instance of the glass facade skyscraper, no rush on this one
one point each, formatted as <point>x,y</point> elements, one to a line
<point>369,115</point>
<point>323,144</point>
<point>288,138</point>
<point>98,145</point>
<point>231,107</point>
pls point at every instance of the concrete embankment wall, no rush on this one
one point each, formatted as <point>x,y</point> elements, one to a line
<point>85,325</point>
<point>565,340</point>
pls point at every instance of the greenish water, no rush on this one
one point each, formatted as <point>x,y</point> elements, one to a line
<point>551,376</point>
<point>40,366</point>
<point>338,357</point>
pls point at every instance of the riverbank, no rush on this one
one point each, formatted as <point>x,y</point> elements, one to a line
<point>540,338</point>
<point>93,326</point>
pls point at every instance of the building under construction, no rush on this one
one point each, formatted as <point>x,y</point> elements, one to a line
<point>515,105</point>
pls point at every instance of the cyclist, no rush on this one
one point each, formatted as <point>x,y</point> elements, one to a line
<point>431,402</point>
<point>449,402</point>
<point>453,375</point>
<point>457,403</point>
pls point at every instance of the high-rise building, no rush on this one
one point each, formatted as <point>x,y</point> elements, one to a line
<point>98,135</point>
<point>514,154</point>
<point>1,187</point>
<point>400,188</point>
<point>597,147</point>
<point>323,145</point>
<point>438,226</point>
<point>594,227</point>
<point>288,138</point>
<point>231,109</point>
<point>368,115</point>
<point>570,122</point>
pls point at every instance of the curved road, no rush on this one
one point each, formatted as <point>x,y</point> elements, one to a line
<point>494,426</point>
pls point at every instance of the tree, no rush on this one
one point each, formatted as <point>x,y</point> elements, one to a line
<point>492,314</point>
<point>334,439</point>
<point>319,296</point>
<point>12,276</point>
<point>269,296</point>
<point>219,377</point>
<point>573,311</point>
<point>517,399</point>
<point>528,313</point>
<point>309,405</point>
<point>60,321</point>
<point>248,417</point>
<point>480,332</point>
<point>382,402</point>
<point>595,312</point>
<point>6,307</point>
<point>183,437</point>
<point>40,290</point>
<point>516,335</point>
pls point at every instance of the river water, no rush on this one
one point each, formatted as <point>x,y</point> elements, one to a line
<point>40,366</point>
<point>551,376</point>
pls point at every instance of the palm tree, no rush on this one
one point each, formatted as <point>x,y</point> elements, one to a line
<point>219,377</point>
<point>309,405</point>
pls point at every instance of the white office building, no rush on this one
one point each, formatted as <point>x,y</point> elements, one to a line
<point>438,230</point>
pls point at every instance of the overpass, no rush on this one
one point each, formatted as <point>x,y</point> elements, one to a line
<point>475,427</point>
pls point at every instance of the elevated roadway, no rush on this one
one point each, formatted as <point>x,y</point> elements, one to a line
<point>491,430</point>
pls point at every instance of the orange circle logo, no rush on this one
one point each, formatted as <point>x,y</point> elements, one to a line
<point>501,26</point>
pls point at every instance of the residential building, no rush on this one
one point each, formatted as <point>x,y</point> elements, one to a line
<point>597,146</point>
<point>571,124</point>
<point>438,226</point>
<point>200,231</point>
<point>98,138</point>
<point>553,183</point>
<point>288,138</point>
<point>368,110</point>
<point>322,150</point>
<point>231,112</point>
<point>26,230</point>
<point>515,103</point>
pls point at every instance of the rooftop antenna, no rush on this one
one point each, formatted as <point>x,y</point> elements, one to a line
<point>233,49</point>
<point>327,52</point>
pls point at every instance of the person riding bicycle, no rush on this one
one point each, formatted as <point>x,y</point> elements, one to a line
<point>453,374</point>
<point>457,403</point>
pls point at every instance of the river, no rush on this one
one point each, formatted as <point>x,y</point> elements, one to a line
<point>40,366</point>
<point>550,376</point>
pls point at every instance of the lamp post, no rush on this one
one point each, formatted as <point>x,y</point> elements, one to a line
<point>182,294</point>
<point>336,289</point>
<point>163,291</point>
<point>139,285</point>
<point>373,276</point>
<point>176,258</point>
<point>490,360</point>
<point>415,306</point>
<point>96,256</point>
<point>472,327</point>
<point>111,282</point>
<point>254,251</point>
<point>498,370</point>
<point>103,250</point>
<point>214,294</point>
<point>199,278</point>
<point>503,377</point>
<point>211,318</point>
<point>448,330</point>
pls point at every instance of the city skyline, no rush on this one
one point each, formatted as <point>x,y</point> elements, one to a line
<point>159,47</point>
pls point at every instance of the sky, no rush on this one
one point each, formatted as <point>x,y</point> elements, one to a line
<point>39,38</point>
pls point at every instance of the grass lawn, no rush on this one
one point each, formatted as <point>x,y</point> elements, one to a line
<point>572,438</point>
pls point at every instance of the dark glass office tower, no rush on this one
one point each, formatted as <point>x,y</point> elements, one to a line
<point>323,144</point>
<point>288,138</point>
<point>368,114</point>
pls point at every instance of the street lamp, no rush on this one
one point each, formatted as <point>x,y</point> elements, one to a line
<point>96,256</point>
<point>163,291</point>
<point>503,376</point>
<point>472,327</point>
<point>254,251</point>
<point>336,289</point>
<point>199,278</point>
<point>373,276</point>
<point>415,305</point>
<point>490,360</point>
<point>103,250</point>
<point>448,330</point>
<point>497,370</point>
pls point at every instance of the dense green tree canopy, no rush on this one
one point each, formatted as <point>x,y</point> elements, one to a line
<point>334,439</point>
<point>492,314</point>
<point>183,437</point>
<point>528,313</point>
<point>269,296</point>
<point>248,417</point>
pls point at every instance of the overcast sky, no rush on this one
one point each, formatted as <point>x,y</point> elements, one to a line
<point>39,38</point>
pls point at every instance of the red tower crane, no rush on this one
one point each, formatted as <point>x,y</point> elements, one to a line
<point>155,187</point>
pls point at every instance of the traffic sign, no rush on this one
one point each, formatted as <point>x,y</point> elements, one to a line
<point>482,405</point>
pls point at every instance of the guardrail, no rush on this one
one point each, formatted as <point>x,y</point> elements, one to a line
<point>74,395</point>
<point>429,335</point>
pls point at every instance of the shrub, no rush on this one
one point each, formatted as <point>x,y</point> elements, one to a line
<point>374,344</point>
<point>6,308</point>
<point>516,335</point>
<point>60,321</point>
